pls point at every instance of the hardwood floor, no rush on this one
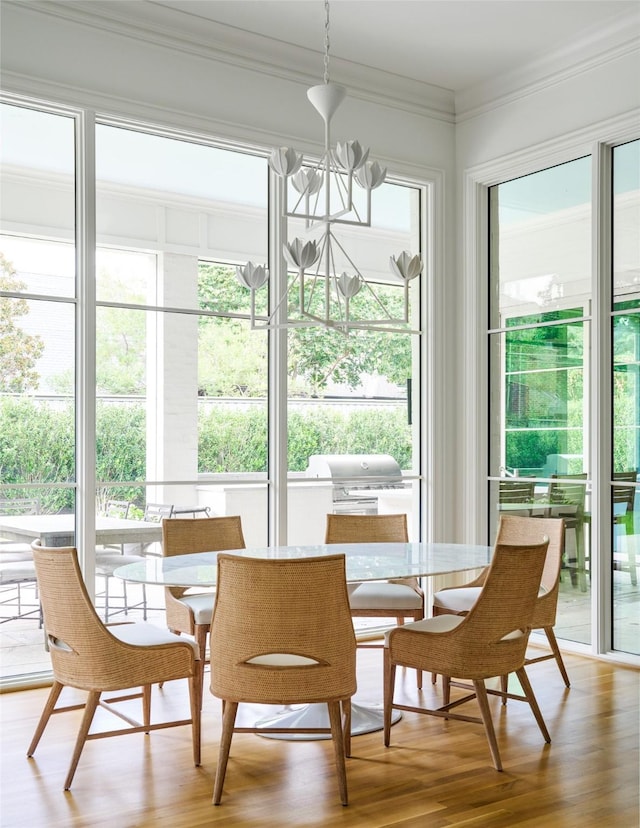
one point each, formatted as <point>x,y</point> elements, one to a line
<point>436,773</point>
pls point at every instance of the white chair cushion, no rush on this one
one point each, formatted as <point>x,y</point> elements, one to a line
<point>12,573</point>
<point>457,600</point>
<point>106,562</point>
<point>281,660</point>
<point>438,624</point>
<point>12,552</point>
<point>143,634</point>
<point>201,604</point>
<point>382,595</point>
<point>461,599</point>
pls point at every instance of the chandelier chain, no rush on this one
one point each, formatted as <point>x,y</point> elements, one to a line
<point>326,41</point>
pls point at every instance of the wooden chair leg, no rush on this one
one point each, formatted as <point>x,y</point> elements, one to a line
<point>504,687</point>
<point>195,702</point>
<point>201,632</point>
<point>553,643</point>
<point>446,689</point>
<point>485,712</point>
<point>54,694</point>
<point>228,722</point>
<point>146,706</point>
<point>346,717</point>
<point>528,691</point>
<point>389,681</point>
<point>89,711</point>
<point>337,735</point>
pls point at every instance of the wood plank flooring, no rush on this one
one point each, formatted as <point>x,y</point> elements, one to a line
<point>435,773</point>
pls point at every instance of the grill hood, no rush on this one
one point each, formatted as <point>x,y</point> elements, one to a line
<point>357,471</point>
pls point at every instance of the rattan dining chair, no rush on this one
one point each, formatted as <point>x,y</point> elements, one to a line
<point>89,655</point>
<point>516,529</point>
<point>491,640</point>
<point>282,634</point>
<point>386,599</point>
<point>189,611</point>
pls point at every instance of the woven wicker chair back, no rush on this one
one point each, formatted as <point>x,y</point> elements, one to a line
<point>181,536</point>
<point>516,529</point>
<point>483,645</point>
<point>295,606</point>
<point>366,529</point>
<point>83,652</point>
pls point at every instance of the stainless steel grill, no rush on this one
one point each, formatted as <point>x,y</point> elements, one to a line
<point>355,477</point>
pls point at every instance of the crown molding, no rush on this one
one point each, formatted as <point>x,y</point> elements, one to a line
<point>16,88</point>
<point>619,40</point>
<point>155,24</point>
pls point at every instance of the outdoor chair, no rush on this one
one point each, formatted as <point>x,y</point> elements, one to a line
<point>16,566</point>
<point>566,500</point>
<point>623,501</point>
<point>110,557</point>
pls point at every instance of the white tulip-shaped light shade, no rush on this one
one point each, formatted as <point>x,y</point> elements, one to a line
<point>349,286</point>
<point>326,98</point>
<point>371,175</point>
<point>307,181</point>
<point>301,255</point>
<point>285,161</point>
<point>406,267</point>
<point>350,155</point>
<point>252,276</point>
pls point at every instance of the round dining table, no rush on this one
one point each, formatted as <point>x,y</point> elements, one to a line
<point>364,562</point>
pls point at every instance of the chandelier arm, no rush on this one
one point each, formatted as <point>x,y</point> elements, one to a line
<point>377,299</point>
<point>344,313</point>
<point>290,286</point>
<point>305,310</point>
<point>345,191</point>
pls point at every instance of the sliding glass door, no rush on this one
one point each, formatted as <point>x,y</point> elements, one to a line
<point>542,368</point>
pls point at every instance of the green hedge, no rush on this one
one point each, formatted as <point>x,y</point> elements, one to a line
<point>37,443</point>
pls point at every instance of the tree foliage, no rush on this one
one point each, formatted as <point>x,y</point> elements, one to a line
<point>232,357</point>
<point>19,350</point>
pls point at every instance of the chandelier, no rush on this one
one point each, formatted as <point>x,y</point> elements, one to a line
<point>321,277</point>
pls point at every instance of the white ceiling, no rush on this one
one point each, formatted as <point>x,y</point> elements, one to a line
<point>453,44</point>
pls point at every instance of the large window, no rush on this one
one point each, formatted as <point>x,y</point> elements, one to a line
<point>180,396</point>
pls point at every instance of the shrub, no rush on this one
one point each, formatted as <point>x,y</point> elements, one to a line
<point>37,443</point>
